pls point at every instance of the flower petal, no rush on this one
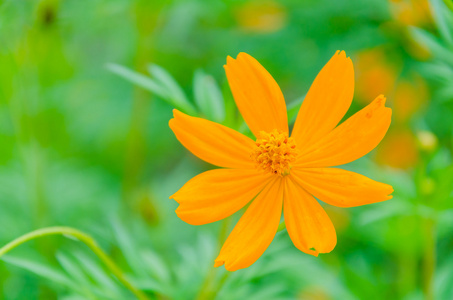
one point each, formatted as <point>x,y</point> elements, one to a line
<point>217,194</point>
<point>352,139</point>
<point>327,101</point>
<point>212,142</point>
<point>342,188</point>
<point>257,95</point>
<point>255,230</point>
<point>308,225</point>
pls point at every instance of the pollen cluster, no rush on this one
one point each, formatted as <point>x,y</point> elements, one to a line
<point>274,152</point>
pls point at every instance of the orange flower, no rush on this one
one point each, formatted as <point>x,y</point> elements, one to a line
<point>261,16</point>
<point>277,170</point>
<point>412,12</point>
<point>399,149</point>
<point>375,74</point>
<point>410,95</point>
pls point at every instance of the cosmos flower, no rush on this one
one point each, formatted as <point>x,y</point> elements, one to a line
<point>281,172</point>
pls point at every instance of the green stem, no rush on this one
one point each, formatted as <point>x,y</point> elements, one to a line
<point>428,231</point>
<point>83,237</point>
<point>223,279</point>
<point>205,290</point>
<point>223,233</point>
<point>429,258</point>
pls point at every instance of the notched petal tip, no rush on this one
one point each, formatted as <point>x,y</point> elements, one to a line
<point>177,116</point>
<point>341,54</point>
<point>173,196</point>
<point>177,113</point>
<point>240,57</point>
<point>218,263</point>
<point>380,100</point>
<point>315,254</point>
<point>243,55</point>
<point>229,60</point>
<point>311,251</point>
<point>228,266</point>
<point>389,192</point>
<point>342,58</point>
<point>377,105</point>
<point>327,249</point>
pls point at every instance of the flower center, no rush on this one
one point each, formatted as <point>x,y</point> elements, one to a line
<point>274,152</point>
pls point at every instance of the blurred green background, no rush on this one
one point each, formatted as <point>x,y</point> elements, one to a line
<point>86,93</point>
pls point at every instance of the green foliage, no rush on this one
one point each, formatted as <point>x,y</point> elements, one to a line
<point>208,97</point>
<point>163,86</point>
<point>86,93</point>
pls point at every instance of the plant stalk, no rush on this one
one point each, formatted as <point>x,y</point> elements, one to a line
<point>87,240</point>
<point>429,258</point>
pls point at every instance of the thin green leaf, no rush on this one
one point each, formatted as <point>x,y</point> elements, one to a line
<point>157,266</point>
<point>175,93</point>
<point>208,96</point>
<point>73,269</point>
<point>139,79</point>
<point>164,86</point>
<point>444,20</point>
<point>40,269</point>
<point>439,50</point>
<point>98,274</point>
<point>128,249</point>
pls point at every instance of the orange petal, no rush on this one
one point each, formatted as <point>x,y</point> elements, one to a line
<point>326,102</point>
<point>255,230</point>
<point>257,95</point>
<point>217,194</point>
<point>212,142</point>
<point>352,139</point>
<point>308,225</point>
<point>340,187</point>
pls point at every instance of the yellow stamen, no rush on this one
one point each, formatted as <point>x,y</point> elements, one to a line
<point>274,152</point>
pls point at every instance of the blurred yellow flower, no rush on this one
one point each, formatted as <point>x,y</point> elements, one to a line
<point>313,293</point>
<point>409,97</point>
<point>375,75</point>
<point>398,149</point>
<point>427,141</point>
<point>278,171</point>
<point>261,16</point>
<point>412,12</point>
